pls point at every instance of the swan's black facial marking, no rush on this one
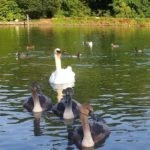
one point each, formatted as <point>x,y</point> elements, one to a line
<point>58,51</point>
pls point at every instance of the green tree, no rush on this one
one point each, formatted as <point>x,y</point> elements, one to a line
<point>142,7</point>
<point>52,7</point>
<point>23,4</point>
<point>35,8</point>
<point>131,8</point>
<point>99,7</point>
<point>10,11</point>
<point>75,8</point>
<point>40,8</point>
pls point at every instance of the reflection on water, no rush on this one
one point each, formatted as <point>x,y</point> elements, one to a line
<point>59,89</point>
<point>37,128</point>
<point>114,81</point>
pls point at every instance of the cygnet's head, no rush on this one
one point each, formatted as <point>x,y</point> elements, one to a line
<point>68,91</point>
<point>35,87</point>
<point>86,109</point>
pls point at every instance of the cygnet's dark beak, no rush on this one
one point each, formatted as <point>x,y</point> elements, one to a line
<point>92,114</point>
<point>68,91</point>
<point>68,99</point>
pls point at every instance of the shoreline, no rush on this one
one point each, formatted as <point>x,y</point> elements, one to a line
<point>77,21</point>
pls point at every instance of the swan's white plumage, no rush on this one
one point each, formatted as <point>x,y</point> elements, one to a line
<point>60,75</point>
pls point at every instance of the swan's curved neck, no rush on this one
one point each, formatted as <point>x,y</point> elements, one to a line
<point>58,61</point>
<point>87,137</point>
<point>37,107</point>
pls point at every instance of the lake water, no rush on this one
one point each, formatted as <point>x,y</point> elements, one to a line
<point>116,82</point>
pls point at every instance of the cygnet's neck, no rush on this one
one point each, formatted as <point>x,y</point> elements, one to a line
<point>37,107</point>
<point>57,61</point>
<point>68,113</point>
<point>87,137</point>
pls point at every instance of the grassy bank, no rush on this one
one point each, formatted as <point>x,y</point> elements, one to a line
<point>94,21</point>
<point>102,21</point>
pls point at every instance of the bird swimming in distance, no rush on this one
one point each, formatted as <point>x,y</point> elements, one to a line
<point>30,47</point>
<point>21,55</point>
<point>88,43</point>
<point>138,50</point>
<point>60,75</point>
<point>37,102</point>
<point>114,45</point>
<point>76,55</point>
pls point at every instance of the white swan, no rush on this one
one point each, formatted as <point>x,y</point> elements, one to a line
<point>60,75</point>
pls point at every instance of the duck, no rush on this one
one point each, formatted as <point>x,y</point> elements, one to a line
<point>37,102</point>
<point>88,43</point>
<point>89,134</point>
<point>60,75</point>
<point>30,47</point>
<point>138,50</point>
<point>67,108</point>
<point>66,54</point>
<point>21,55</point>
<point>114,45</point>
<point>78,55</point>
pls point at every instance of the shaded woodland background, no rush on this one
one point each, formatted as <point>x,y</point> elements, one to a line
<point>18,9</point>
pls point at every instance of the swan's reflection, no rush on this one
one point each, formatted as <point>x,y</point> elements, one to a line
<point>29,45</point>
<point>59,89</point>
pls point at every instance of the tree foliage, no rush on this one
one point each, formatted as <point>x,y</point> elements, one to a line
<point>17,9</point>
<point>74,8</point>
<point>9,10</point>
<point>52,7</point>
<point>131,8</point>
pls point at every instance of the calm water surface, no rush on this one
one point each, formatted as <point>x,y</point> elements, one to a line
<point>116,82</point>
